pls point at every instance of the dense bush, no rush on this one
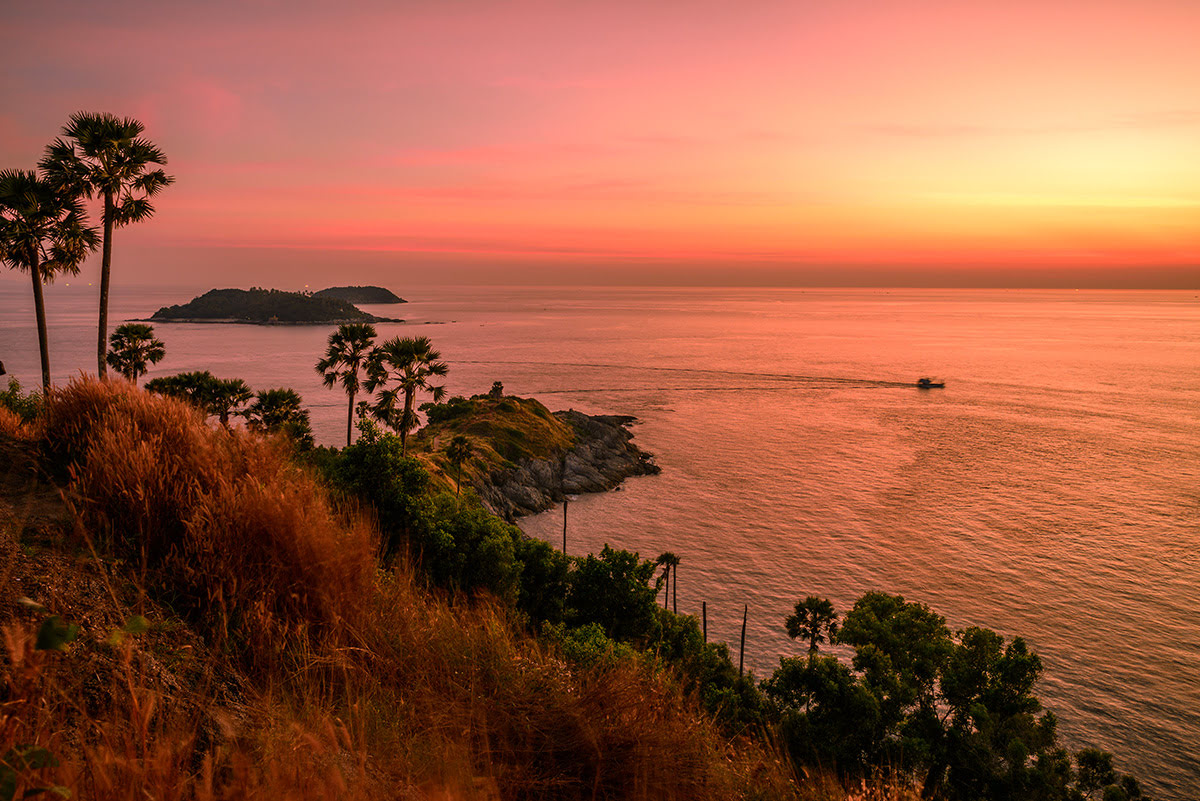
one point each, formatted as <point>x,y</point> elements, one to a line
<point>954,711</point>
<point>25,406</point>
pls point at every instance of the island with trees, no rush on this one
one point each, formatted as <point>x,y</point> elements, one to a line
<point>265,307</point>
<point>360,294</point>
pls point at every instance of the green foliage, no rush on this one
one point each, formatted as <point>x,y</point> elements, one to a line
<point>55,634</point>
<point>375,469</point>
<point>133,348</point>
<point>813,620</point>
<point>589,645</point>
<point>279,411</point>
<point>955,712</point>
<point>25,406</point>
<point>216,397</point>
<point>397,370</point>
<point>545,581</point>
<point>345,355</point>
<point>453,409</point>
<point>467,549</point>
<point>613,590</point>
<point>17,763</point>
<point>258,305</point>
<point>826,715</point>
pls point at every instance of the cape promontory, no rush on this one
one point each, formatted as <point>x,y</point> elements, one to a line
<point>526,458</point>
<point>360,294</point>
<point>265,307</point>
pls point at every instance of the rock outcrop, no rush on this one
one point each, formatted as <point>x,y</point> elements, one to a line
<point>602,457</point>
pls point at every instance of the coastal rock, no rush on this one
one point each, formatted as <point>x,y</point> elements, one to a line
<point>603,456</point>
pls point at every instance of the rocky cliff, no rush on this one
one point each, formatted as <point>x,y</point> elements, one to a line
<point>602,457</point>
<point>524,458</point>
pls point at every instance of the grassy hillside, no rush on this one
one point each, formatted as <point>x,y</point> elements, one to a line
<point>236,639</point>
<point>503,430</point>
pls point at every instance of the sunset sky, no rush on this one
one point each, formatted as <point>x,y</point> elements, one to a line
<point>995,143</point>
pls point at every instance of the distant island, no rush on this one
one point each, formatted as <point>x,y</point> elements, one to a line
<point>360,294</point>
<point>265,307</point>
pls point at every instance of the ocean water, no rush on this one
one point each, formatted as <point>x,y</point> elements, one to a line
<point>1050,491</point>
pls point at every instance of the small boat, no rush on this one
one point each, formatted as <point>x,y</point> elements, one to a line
<point>929,383</point>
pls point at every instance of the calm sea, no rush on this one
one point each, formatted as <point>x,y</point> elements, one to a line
<point>1051,490</point>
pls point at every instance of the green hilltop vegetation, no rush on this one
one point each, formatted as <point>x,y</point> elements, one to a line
<point>360,294</point>
<point>507,430</point>
<point>258,305</point>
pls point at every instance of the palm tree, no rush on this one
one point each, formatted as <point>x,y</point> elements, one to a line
<point>42,230</point>
<point>279,411</point>
<point>458,451</point>
<point>133,348</point>
<point>813,620</point>
<point>671,572</point>
<point>410,362</point>
<point>104,156</point>
<point>216,397</point>
<point>348,350</point>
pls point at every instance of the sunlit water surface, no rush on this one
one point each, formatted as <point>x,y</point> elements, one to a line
<point>1051,490</point>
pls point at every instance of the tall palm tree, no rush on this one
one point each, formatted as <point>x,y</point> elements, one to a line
<point>812,620</point>
<point>670,572</point>
<point>410,362</point>
<point>102,155</point>
<point>133,348</point>
<point>348,350</point>
<point>458,451</point>
<point>42,230</point>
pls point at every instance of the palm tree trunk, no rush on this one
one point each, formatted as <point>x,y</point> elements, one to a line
<point>675,590</point>
<point>350,419</point>
<point>105,265</point>
<point>406,419</point>
<point>457,484</point>
<point>39,308</point>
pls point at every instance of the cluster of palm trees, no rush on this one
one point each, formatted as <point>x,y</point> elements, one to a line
<point>44,227</point>
<point>393,371</point>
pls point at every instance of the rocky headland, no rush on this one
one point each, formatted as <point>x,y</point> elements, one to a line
<point>526,458</point>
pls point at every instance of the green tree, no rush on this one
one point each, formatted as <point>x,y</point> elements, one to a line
<point>409,362</point>
<point>133,348</point>
<point>44,231</point>
<point>614,590</point>
<point>102,155</point>
<point>813,620</point>
<point>280,411</point>
<point>345,355</point>
<point>216,397</point>
<point>827,715</point>
<point>458,451</point>
<point>375,470</point>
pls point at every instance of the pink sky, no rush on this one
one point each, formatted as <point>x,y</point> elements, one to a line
<point>794,142</point>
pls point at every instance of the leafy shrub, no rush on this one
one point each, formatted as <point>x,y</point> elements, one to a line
<point>613,590</point>
<point>25,406</point>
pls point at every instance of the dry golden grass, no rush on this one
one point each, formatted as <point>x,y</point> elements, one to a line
<point>346,682</point>
<point>246,541</point>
